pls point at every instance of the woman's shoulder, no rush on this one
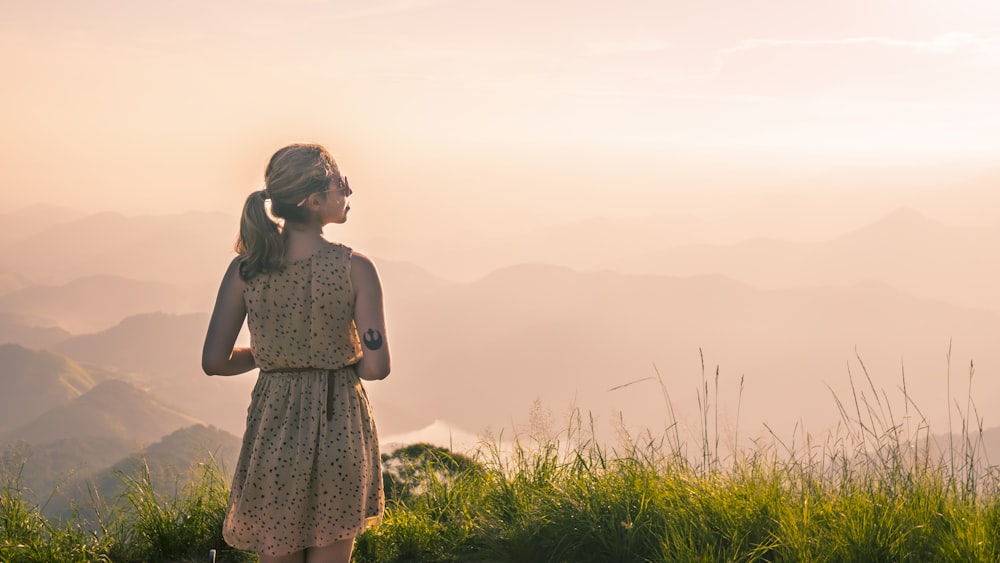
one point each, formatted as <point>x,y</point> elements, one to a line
<point>359,259</point>
<point>363,270</point>
<point>233,278</point>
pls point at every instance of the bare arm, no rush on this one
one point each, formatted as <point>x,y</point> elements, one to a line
<point>369,317</point>
<point>219,356</point>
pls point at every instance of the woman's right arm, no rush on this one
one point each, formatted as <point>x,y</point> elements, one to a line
<point>219,355</point>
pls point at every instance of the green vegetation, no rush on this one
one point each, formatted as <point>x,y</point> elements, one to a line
<point>874,493</point>
<point>579,504</point>
<point>549,503</point>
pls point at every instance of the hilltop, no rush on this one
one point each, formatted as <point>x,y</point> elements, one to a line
<point>48,379</point>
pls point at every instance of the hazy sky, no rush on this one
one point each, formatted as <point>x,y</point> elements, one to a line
<point>471,112</point>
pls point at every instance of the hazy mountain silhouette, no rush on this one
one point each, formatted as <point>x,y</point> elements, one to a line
<point>9,281</point>
<point>35,381</point>
<point>478,354</point>
<point>161,354</point>
<point>568,336</point>
<point>972,200</point>
<point>903,226</point>
<point>170,463</point>
<point>990,449</point>
<point>904,249</point>
<point>150,343</point>
<point>581,245</point>
<point>29,331</point>
<point>57,425</point>
<point>481,353</point>
<point>94,303</point>
<point>33,219</point>
<point>112,408</point>
<point>163,248</point>
<point>419,283</point>
<point>44,470</point>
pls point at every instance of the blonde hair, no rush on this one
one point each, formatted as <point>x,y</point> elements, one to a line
<point>293,174</point>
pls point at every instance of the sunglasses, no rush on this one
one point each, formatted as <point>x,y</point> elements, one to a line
<point>343,187</point>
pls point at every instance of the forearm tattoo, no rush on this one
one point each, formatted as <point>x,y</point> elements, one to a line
<point>372,339</point>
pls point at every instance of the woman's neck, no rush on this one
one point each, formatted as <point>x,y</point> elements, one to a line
<point>303,239</point>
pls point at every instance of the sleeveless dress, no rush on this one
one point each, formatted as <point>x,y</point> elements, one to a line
<point>309,470</point>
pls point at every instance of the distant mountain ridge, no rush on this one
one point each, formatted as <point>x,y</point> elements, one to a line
<point>147,343</point>
<point>29,331</point>
<point>112,408</point>
<point>34,381</point>
<point>161,354</point>
<point>29,221</point>
<point>567,337</point>
<point>787,314</point>
<point>170,462</point>
<point>584,245</point>
<point>62,421</point>
<point>905,249</point>
<point>9,282</point>
<point>97,302</point>
<point>162,248</point>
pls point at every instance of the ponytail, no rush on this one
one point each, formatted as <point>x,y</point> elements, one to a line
<point>294,172</point>
<point>261,246</point>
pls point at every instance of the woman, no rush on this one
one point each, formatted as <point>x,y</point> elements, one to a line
<point>308,478</point>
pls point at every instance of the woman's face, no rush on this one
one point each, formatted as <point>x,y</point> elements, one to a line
<point>337,204</point>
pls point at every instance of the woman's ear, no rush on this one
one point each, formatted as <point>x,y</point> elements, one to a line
<point>314,203</point>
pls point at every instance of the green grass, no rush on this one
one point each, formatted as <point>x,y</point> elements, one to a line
<point>875,492</point>
<point>544,504</point>
<point>140,525</point>
<point>552,503</point>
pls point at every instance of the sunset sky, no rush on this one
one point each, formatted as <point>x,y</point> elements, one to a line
<point>469,111</point>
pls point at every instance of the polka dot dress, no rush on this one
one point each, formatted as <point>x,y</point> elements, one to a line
<point>309,470</point>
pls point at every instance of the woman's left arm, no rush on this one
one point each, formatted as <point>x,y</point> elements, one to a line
<point>219,355</point>
<point>369,318</point>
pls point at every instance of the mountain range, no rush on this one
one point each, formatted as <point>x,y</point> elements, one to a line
<point>79,430</point>
<point>48,380</point>
<point>94,303</point>
<point>161,248</point>
<point>167,465</point>
<point>589,332</point>
<point>905,250</point>
<point>621,328</point>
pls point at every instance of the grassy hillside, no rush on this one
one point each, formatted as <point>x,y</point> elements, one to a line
<point>113,408</point>
<point>47,379</point>
<point>168,464</point>
<point>47,470</point>
<point>567,500</point>
<point>161,353</point>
